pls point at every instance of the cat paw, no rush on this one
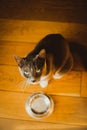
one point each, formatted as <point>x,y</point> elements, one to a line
<point>43,83</point>
<point>57,76</point>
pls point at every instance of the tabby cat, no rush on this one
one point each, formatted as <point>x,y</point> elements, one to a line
<point>50,58</point>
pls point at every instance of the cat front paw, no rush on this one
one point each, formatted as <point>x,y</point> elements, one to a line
<point>57,76</point>
<point>43,83</point>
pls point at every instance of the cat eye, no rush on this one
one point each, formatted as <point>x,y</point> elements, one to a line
<point>38,71</point>
<point>26,72</point>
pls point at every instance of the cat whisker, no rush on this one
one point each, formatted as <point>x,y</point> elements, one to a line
<point>23,85</point>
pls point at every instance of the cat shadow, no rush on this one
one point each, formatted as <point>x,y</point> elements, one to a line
<point>79,53</point>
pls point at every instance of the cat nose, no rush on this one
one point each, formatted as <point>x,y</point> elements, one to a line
<point>33,80</point>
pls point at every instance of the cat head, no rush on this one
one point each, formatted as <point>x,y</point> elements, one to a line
<point>32,67</point>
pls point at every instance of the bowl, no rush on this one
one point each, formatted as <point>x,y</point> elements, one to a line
<point>39,105</point>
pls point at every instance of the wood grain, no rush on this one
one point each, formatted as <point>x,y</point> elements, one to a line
<point>49,10</point>
<point>33,31</point>
<point>9,49</point>
<point>11,124</point>
<point>68,110</point>
<point>10,79</point>
<point>84,84</point>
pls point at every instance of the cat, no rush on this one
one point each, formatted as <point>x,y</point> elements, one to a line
<point>51,58</point>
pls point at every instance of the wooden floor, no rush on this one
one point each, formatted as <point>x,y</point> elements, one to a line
<point>22,25</point>
<point>69,93</point>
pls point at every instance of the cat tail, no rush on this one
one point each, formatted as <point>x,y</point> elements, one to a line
<point>80,51</point>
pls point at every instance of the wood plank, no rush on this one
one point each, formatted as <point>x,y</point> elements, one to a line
<point>84,84</point>
<point>10,124</point>
<point>11,80</point>
<point>71,11</point>
<point>68,110</point>
<point>8,49</point>
<point>33,31</point>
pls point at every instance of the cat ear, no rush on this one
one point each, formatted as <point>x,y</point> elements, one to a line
<point>19,60</point>
<point>42,53</point>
